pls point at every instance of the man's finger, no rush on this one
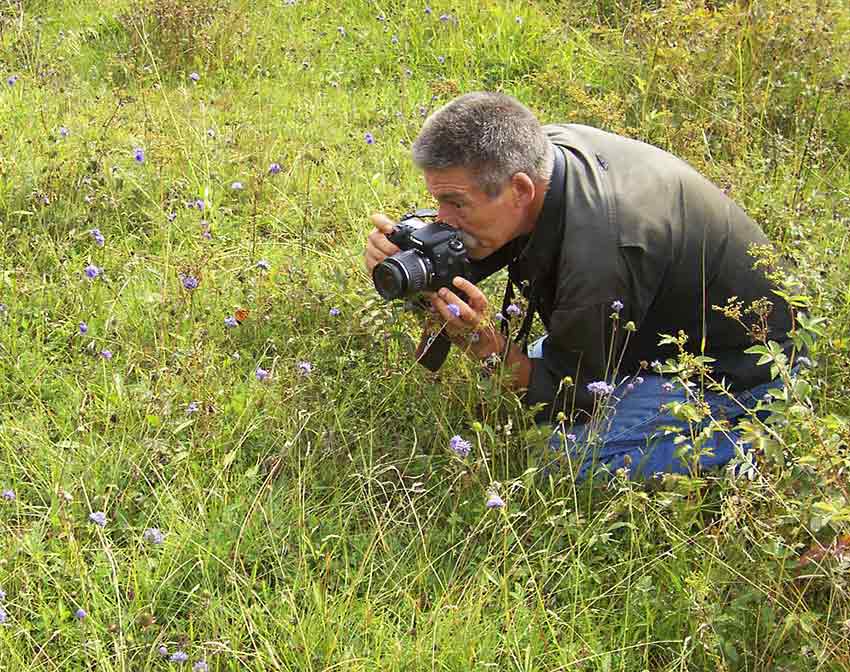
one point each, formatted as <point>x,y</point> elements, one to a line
<point>477,301</point>
<point>381,222</point>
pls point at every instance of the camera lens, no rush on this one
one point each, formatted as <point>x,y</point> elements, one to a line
<point>402,274</point>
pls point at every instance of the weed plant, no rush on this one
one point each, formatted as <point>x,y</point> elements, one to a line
<point>216,449</point>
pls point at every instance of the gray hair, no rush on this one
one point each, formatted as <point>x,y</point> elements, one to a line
<point>492,134</point>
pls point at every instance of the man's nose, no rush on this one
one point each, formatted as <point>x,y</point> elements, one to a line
<point>444,216</point>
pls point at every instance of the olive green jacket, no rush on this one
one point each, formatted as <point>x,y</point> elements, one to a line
<point>641,227</point>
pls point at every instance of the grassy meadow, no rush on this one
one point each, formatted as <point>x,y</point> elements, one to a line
<point>216,449</point>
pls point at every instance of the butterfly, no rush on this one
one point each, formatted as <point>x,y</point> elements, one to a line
<point>241,315</point>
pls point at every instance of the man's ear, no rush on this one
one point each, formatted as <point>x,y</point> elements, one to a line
<point>523,189</point>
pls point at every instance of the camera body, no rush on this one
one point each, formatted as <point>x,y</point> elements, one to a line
<point>431,255</point>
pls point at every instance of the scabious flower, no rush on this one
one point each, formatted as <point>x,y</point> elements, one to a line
<point>201,666</point>
<point>98,518</point>
<point>230,322</point>
<point>274,169</point>
<point>667,387</point>
<point>617,306</point>
<point>499,317</point>
<point>11,80</point>
<point>305,368</point>
<point>192,407</point>
<point>513,310</point>
<point>139,155</point>
<point>333,312</point>
<point>80,614</point>
<point>459,446</point>
<point>64,132</point>
<point>163,651</point>
<point>600,387</point>
<point>194,76</point>
<point>263,265</point>
<point>237,186</point>
<point>444,18</point>
<point>3,616</point>
<point>178,657</point>
<point>106,354</point>
<point>190,282</point>
<point>9,496</point>
<point>152,535</point>
<point>427,9</point>
<point>199,204</point>
<point>454,309</point>
<point>262,374</point>
<point>370,139</point>
<point>92,271</point>
<point>98,237</point>
<point>494,501</point>
<point>84,328</point>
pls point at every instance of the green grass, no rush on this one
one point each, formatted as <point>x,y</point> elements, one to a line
<point>321,522</point>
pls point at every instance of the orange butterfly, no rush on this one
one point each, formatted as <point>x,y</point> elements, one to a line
<point>241,315</point>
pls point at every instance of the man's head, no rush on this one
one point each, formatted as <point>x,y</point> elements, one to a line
<point>487,161</point>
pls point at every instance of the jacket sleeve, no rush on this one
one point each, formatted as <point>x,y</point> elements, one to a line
<point>583,343</point>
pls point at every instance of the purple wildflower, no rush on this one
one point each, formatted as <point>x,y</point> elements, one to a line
<point>200,205</point>
<point>600,387</point>
<point>92,271</point>
<point>178,657</point>
<point>630,387</point>
<point>230,322</point>
<point>460,446</point>
<point>98,237</point>
<point>274,169</point>
<point>441,59</point>
<point>3,616</point>
<point>152,535</point>
<point>163,651</point>
<point>80,614</point>
<point>394,39</point>
<point>98,518</point>
<point>237,186</point>
<point>571,437</point>
<point>11,80</point>
<point>427,9</point>
<point>333,312</point>
<point>454,309</point>
<point>106,354</point>
<point>638,380</point>
<point>262,374</point>
<point>494,501</point>
<point>499,317</point>
<point>194,76</point>
<point>64,132</point>
<point>667,387</point>
<point>444,18</point>
<point>263,265</point>
<point>139,155</point>
<point>305,368</point>
<point>84,328</point>
<point>370,139</point>
<point>190,282</point>
<point>9,496</point>
<point>513,310</point>
<point>201,666</point>
<point>192,407</point>
<point>2,594</point>
<point>617,306</point>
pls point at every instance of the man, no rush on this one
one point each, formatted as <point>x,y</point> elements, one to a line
<point>613,242</point>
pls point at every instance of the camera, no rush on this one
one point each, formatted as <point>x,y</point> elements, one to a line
<point>432,254</point>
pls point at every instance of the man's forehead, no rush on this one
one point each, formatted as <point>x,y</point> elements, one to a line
<point>450,182</point>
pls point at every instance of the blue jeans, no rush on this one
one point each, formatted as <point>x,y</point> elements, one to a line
<point>633,429</point>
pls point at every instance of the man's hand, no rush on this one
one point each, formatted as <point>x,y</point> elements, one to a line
<point>378,247</point>
<point>464,318</point>
<point>467,326</point>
